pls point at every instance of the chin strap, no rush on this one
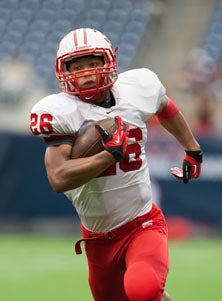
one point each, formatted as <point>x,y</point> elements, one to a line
<point>90,96</point>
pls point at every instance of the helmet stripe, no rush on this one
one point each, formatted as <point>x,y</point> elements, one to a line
<point>85,36</point>
<point>75,38</point>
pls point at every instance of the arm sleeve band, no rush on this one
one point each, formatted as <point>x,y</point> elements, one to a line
<point>169,111</point>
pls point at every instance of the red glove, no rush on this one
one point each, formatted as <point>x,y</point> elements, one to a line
<point>115,143</point>
<point>191,166</point>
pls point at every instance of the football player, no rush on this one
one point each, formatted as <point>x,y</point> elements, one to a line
<point>124,232</point>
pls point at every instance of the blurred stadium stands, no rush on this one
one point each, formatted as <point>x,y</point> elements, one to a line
<point>28,25</point>
<point>212,43</point>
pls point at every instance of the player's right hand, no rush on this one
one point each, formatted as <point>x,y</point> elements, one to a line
<point>191,168</point>
<point>115,143</point>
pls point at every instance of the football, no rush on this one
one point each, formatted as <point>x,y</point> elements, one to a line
<point>87,142</point>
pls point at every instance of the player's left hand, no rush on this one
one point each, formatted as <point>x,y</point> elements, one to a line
<point>191,166</point>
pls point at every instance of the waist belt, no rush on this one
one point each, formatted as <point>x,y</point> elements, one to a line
<point>96,236</point>
<point>141,221</point>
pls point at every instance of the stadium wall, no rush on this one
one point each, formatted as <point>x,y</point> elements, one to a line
<point>25,193</point>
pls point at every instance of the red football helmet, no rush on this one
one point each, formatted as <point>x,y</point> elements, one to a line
<point>85,42</point>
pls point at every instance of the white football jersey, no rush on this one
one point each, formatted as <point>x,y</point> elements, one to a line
<point>123,191</point>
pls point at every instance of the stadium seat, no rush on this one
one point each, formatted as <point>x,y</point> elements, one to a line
<point>140,15</point>
<point>136,27</point>
<point>18,25</point>
<point>76,5</point>
<point>29,48</point>
<point>10,4</point>
<point>14,36</point>
<point>121,5</point>
<point>96,15</point>
<point>67,14</point>
<point>119,15</point>
<point>100,4</point>
<point>216,27</point>
<point>212,43</point>
<point>130,38</point>
<point>2,26</point>
<point>113,26</point>
<point>33,4</point>
<point>7,48</point>
<point>24,14</point>
<point>5,14</point>
<point>35,36</point>
<point>45,14</point>
<point>61,25</point>
<point>41,25</point>
<point>127,49</point>
<point>53,4</point>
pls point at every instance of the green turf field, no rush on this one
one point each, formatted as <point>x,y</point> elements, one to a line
<point>34,268</point>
